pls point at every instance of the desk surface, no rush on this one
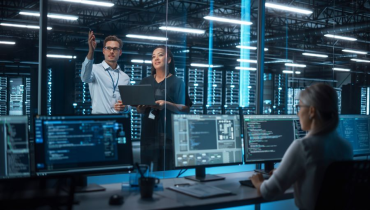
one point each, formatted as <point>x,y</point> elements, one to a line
<point>168,199</point>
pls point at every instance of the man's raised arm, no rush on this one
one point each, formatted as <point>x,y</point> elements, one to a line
<point>86,71</point>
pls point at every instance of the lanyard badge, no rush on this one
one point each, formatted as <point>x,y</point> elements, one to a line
<point>114,85</point>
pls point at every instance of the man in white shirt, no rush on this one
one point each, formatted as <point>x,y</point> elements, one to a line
<point>104,78</point>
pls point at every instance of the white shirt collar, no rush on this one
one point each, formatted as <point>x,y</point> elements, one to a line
<point>107,67</point>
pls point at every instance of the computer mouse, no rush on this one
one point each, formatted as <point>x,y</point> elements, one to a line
<point>116,200</point>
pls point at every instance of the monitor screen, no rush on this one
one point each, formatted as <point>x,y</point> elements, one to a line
<point>82,144</point>
<point>14,148</point>
<point>355,129</point>
<point>206,140</point>
<point>267,137</point>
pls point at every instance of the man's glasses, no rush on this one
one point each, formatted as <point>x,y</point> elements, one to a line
<point>115,49</point>
<point>298,107</point>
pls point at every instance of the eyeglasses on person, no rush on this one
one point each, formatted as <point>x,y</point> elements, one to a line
<point>115,49</point>
<point>298,107</point>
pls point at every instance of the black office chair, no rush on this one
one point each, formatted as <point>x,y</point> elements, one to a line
<point>346,185</point>
<point>56,192</point>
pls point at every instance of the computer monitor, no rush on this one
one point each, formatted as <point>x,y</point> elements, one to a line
<point>355,129</point>
<point>202,141</point>
<point>83,145</point>
<point>14,147</point>
<point>267,137</point>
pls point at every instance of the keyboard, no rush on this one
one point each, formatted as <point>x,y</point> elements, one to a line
<point>249,183</point>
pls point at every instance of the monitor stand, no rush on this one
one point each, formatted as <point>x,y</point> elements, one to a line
<point>269,166</point>
<point>201,176</point>
<point>82,186</point>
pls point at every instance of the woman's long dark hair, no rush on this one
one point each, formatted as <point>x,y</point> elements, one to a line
<point>171,65</point>
<point>325,100</point>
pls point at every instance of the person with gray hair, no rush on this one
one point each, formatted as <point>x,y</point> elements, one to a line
<point>305,161</point>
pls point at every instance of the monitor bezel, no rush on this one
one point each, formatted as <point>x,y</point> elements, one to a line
<point>292,117</point>
<point>205,165</point>
<point>98,170</point>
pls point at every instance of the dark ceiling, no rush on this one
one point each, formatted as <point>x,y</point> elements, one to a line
<point>287,34</point>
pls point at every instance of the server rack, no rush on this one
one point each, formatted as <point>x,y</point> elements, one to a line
<point>214,91</point>
<point>231,100</point>
<point>196,78</point>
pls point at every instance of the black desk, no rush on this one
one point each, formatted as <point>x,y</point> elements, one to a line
<point>168,199</point>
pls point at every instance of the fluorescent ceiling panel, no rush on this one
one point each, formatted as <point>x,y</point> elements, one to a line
<point>227,20</point>
<point>147,37</point>
<point>185,30</point>
<point>295,65</point>
<point>315,55</point>
<point>95,3</point>
<point>56,16</point>
<point>140,61</point>
<point>360,60</point>
<point>355,51</point>
<point>246,68</point>
<point>249,47</point>
<point>246,61</point>
<point>205,65</point>
<point>23,26</point>
<point>341,69</point>
<point>6,42</point>
<point>288,8</point>
<point>60,56</point>
<point>340,37</point>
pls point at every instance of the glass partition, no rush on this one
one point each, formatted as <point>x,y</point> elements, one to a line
<point>316,42</point>
<point>211,70</point>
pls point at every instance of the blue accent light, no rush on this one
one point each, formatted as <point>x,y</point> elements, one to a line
<point>211,73</point>
<point>245,54</point>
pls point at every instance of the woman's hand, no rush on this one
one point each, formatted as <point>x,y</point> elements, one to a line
<point>257,180</point>
<point>160,105</point>
<point>141,108</point>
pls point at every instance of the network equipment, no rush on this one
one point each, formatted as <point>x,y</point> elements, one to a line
<point>267,137</point>
<point>84,145</point>
<point>206,140</point>
<point>355,129</point>
<point>14,149</point>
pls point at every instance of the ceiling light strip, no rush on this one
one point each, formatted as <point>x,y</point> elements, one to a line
<point>315,55</point>
<point>56,16</point>
<point>140,61</point>
<point>249,47</point>
<point>205,65</point>
<point>246,68</point>
<point>185,30</point>
<point>95,3</point>
<point>6,42</point>
<point>341,69</point>
<point>60,56</point>
<point>340,37</point>
<point>360,60</point>
<point>227,20</point>
<point>288,8</point>
<point>23,26</point>
<point>295,65</point>
<point>147,37</point>
<point>246,61</point>
<point>355,51</point>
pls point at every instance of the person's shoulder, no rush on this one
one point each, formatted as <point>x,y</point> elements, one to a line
<point>98,65</point>
<point>123,73</point>
<point>346,145</point>
<point>176,79</point>
<point>146,80</point>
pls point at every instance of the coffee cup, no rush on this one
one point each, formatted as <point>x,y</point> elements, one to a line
<point>147,186</point>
